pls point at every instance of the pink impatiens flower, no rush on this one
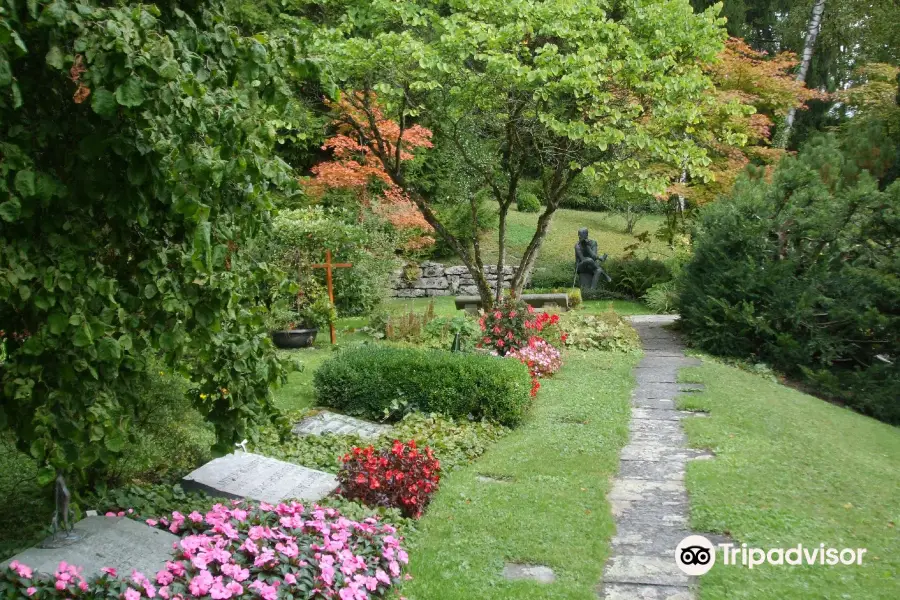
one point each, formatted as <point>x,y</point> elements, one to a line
<point>21,570</point>
<point>131,594</point>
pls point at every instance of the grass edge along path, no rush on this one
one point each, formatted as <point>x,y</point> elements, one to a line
<point>792,469</point>
<point>550,507</point>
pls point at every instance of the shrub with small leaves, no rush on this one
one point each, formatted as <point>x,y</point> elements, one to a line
<point>528,203</point>
<point>399,477</point>
<point>381,382</point>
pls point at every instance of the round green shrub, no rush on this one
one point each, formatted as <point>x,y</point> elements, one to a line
<point>384,382</point>
<point>527,202</point>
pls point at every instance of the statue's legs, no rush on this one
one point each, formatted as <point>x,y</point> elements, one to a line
<point>595,278</point>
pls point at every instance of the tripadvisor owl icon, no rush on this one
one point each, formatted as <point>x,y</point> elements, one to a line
<point>695,555</point>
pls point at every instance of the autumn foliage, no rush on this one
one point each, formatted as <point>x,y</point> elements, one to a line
<point>752,90</point>
<point>355,166</point>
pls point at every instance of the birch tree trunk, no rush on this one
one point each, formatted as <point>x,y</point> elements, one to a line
<point>812,32</point>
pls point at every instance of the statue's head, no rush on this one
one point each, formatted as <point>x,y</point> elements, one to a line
<point>583,234</point>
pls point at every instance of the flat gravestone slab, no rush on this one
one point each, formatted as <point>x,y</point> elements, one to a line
<point>539,573</point>
<point>247,475</point>
<point>117,542</point>
<point>330,422</point>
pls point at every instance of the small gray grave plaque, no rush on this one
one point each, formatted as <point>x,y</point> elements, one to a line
<point>246,475</point>
<point>117,542</point>
<point>329,422</point>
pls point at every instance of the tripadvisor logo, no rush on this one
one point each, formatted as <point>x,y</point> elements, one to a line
<point>695,555</point>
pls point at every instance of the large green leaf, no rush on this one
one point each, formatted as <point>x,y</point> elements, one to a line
<point>130,93</point>
<point>58,322</point>
<point>10,210</point>
<point>25,183</point>
<point>103,102</point>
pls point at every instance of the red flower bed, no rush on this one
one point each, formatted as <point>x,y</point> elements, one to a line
<point>513,325</point>
<point>514,329</point>
<point>401,477</point>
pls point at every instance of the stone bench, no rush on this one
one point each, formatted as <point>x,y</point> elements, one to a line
<point>473,303</point>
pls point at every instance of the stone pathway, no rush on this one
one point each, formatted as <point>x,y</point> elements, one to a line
<point>648,497</point>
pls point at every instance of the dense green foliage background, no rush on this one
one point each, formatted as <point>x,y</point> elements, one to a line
<point>138,148</point>
<point>801,272</point>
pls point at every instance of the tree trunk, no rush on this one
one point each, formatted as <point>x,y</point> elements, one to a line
<point>812,32</point>
<point>501,244</point>
<point>526,265</point>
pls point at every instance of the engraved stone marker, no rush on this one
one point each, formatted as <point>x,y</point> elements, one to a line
<point>329,422</point>
<point>117,542</point>
<point>247,475</point>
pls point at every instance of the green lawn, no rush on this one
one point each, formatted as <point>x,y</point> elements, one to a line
<point>793,469</point>
<point>552,511</point>
<point>606,228</point>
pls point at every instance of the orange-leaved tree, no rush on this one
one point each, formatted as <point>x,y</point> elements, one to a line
<point>355,166</point>
<point>753,90</point>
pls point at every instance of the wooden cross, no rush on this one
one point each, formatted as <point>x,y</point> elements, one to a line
<point>328,265</point>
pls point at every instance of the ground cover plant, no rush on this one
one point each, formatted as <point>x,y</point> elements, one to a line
<point>381,382</point>
<point>792,469</point>
<point>101,283</point>
<point>455,442</point>
<point>605,330</point>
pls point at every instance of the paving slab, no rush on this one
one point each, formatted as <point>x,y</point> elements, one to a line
<point>676,360</point>
<point>665,414</point>
<point>647,570</point>
<point>669,439</point>
<point>118,542</point>
<point>657,426</point>
<point>657,451</point>
<point>653,403</point>
<point>646,538</point>
<point>656,319</point>
<point>657,470</point>
<point>630,591</point>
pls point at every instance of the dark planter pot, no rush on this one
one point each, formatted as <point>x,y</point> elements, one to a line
<point>295,338</point>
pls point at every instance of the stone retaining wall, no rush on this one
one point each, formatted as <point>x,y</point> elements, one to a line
<point>436,279</point>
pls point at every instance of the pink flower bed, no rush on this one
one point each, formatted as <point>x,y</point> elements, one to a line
<point>541,357</point>
<point>267,552</point>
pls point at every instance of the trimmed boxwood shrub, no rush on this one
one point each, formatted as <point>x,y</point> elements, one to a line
<point>377,381</point>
